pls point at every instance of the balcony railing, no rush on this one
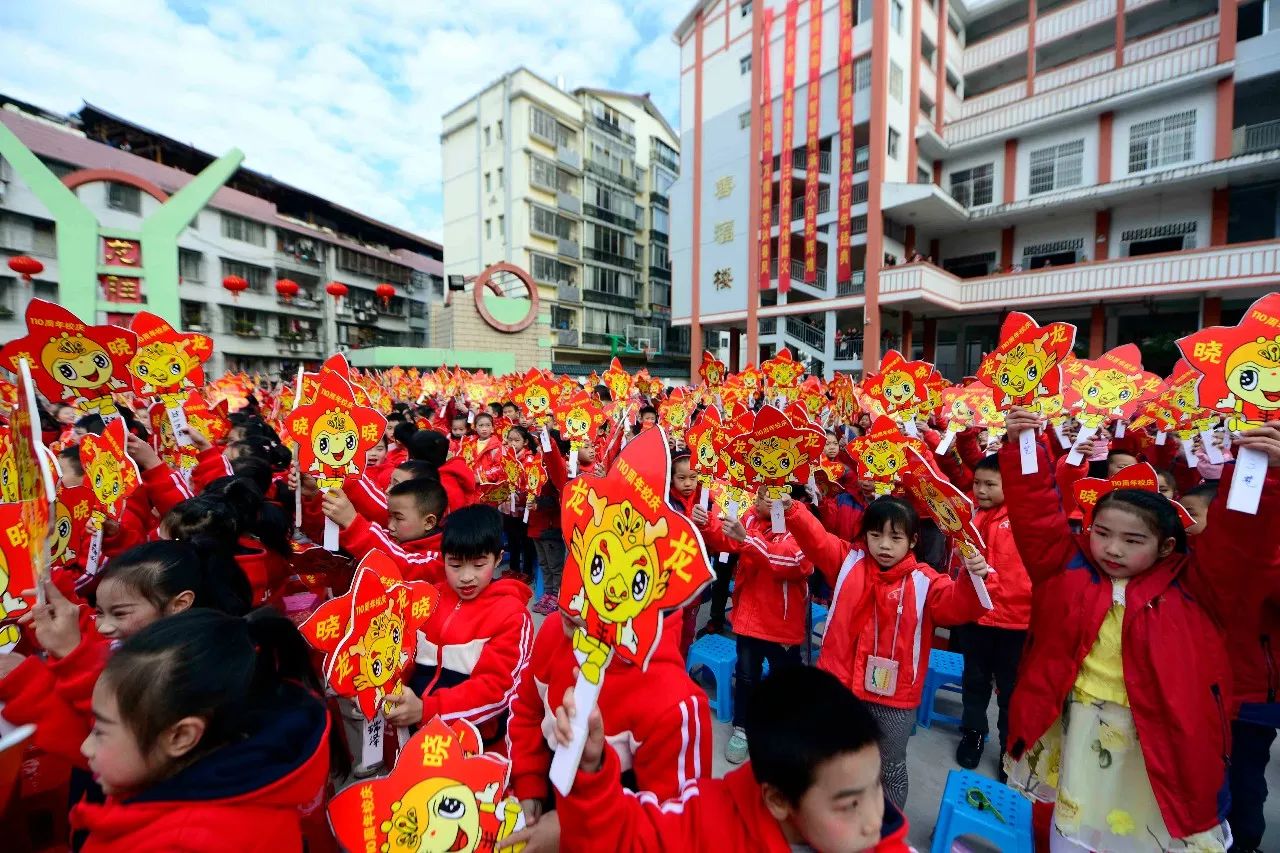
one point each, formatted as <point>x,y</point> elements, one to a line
<point>656,154</point>
<point>1090,66</point>
<point>1188,34</point>
<point>854,286</point>
<point>800,160</point>
<point>611,128</point>
<point>662,273</point>
<point>566,292</point>
<point>568,202</point>
<point>618,300</point>
<point>567,337</point>
<point>797,206</point>
<point>659,199</point>
<point>568,248</point>
<point>1191,271</point>
<point>590,254</point>
<point>568,157</point>
<point>1130,78</point>
<point>598,339</point>
<point>610,175</point>
<point>623,222</point>
<point>1067,20</point>
<point>805,332</point>
<point>768,325</point>
<point>989,51</point>
<point>1252,138</point>
<point>797,271</point>
<point>299,258</point>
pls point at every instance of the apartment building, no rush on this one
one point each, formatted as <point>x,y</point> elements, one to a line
<point>255,227</point>
<point>1112,163</point>
<point>575,188</point>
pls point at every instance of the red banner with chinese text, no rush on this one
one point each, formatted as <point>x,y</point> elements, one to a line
<point>788,146</point>
<point>844,210</point>
<point>766,150</point>
<point>812,143</point>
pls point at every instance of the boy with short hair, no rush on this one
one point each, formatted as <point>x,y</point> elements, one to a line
<point>813,782</point>
<point>412,537</point>
<point>992,645</point>
<point>474,649</point>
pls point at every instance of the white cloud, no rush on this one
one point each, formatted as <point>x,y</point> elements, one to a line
<point>340,99</point>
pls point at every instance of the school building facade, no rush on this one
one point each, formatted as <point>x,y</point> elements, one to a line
<point>1111,163</point>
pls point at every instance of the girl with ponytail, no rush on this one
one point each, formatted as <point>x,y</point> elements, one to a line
<point>138,588</point>
<point>231,510</point>
<point>209,735</point>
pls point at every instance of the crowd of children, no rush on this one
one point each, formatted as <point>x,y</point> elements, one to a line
<point>1129,648</point>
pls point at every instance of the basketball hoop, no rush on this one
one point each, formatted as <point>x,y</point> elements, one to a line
<point>648,352</point>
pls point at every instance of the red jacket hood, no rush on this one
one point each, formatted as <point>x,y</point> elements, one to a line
<point>459,483</point>
<point>245,796</point>
<point>500,590</point>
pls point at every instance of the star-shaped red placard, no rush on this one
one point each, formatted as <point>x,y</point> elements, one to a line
<point>109,471</point>
<point>444,794</point>
<point>776,450</point>
<point>712,370</point>
<point>900,388</point>
<point>333,433</point>
<point>578,418</point>
<point>880,455</point>
<point>706,438</point>
<point>1025,366</point>
<point>937,498</point>
<point>167,361</point>
<point>369,634</point>
<point>781,374</point>
<point>72,362</point>
<point>1110,386</point>
<point>631,556</point>
<point>536,395</point>
<point>1240,365</point>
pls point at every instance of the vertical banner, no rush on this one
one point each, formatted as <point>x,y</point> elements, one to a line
<point>788,147</point>
<point>766,148</point>
<point>844,212</point>
<point>812,160</point>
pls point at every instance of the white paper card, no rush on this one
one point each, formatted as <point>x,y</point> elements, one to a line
<point>178,422</point>
<point>1119,429</point>
<point>564,765</point>
<point>1211,450</point>
<point>1161,438</point>
<point>95,553</point>
<point>546,440</point>
<point>980,587</point>
<point>1246,483</point>
<point>1075,457</point>
<point>909,427</point>
<point>778,516</point>
<point>371,747</point>
<point>1027,451</point>
<point>330,535</point>
<point>948,438</point>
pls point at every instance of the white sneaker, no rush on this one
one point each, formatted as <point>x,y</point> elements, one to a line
<point>735,751</point>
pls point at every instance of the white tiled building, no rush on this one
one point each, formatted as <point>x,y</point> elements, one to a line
<point>255,227</point>
<point>1114,163</point>
<point>573,187</point>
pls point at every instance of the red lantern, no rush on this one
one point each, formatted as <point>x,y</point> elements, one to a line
<point>385,292</point>
<point>336,289</point>
<point>236,284</point>
<point>287,288</point>
<point>26,266</point>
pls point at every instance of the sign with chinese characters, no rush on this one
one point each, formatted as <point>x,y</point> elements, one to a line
<point>120,252</point>
<point>112,475</point>
<point>880,455</point>
<point>765,237</point>
<point>722,278</point>
<point>333,433</point>
<point>121,288</point>
<point>72,362</point>
<point>724,231</point>
<point>630,558</point>
<point>1025,366</point>
<point>1089,490</point>
<point>1239,365</point>
<point>900,389</point>
<point>781,374</point>
<point>936,497</point>
<point>776,451</point>
<point>445,794</point>
<point>369,634</point>
<point>788,137</point>
<point>724,187</point>
<point>536,395</point>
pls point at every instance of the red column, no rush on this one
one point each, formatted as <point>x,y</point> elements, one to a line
<point>1097,330</point>
<point>1119,33</point>
<point>939,113</point>
<point>909,247</point>
<point>1218,217</point>
<point>875,220</point>
<point>907,321</point>
<point>935,251</point>
<point>735,350</point>
<point>1006,248</point>
<point>1105,124</point>
<point>1226,91</point>
<point>695,298</point>
<point>754,196</point>
<point>1102,235</point>
<point>1031,48</point>
<point>1211,313</point>
<point>913,97</point>
<point>930,341</point>
<point>937,172</point>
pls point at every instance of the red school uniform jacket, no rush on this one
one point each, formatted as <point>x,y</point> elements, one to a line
<point>417,559</point>
<point>710,814</point>
<point>657,721</point>
<point>1176,670</point>
<point>1012,595</point>
<point>923,597</point>
<point>267,570</point>
<point>472,654</point>
<point>249,796</point>
<point>771,590</point>
<point>459,483</point>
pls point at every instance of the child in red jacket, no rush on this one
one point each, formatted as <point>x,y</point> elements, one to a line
<point>412,536</point>
<point>813,783</point>
<point>659,724</point>
<point>770,602</point>
<point>1121,714</point>
<point>882,618</point>
<point>209,735</point>
<point>992,646</point>
<point>475,647</point>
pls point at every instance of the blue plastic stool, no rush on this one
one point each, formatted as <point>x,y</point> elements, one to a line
<point>720,655</point>
<point>945,672</point>
<point>817,615</point>
<point>979,806</point>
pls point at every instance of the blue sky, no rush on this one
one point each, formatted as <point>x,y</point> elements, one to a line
<point>342,98</point>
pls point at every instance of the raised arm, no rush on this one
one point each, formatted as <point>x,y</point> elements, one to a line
<point>1036,517</point>
<point>826,551</point>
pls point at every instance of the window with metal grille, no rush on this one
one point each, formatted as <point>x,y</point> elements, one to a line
<point>895,81</point>
<point>744,64</point>
<point>245,230</point>
<point>744,119</point>
<point>1057,167</point>
<point>1162,141</point>
<point>862,73</point>
<point>543,124</point>
<point>973,187</point>
<point>124,197</point>
<point>894,136</point>
<point>549,224</point>
<point>190,265</point>
<point>542,173</point>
